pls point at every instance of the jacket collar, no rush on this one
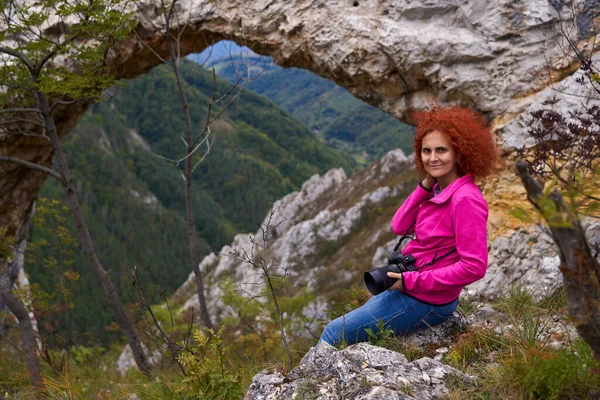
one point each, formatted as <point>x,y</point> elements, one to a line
<point>449,191</point>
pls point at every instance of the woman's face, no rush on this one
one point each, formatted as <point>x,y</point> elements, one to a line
<point>439,157</point>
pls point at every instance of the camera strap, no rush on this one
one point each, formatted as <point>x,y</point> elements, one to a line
<point>436,258</point>
<point>400,241</point>
<point>405,236</point>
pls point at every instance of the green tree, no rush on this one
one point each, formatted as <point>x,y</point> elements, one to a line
<point>54,54</point>
<point>566,157</point>
<point>193,141</point>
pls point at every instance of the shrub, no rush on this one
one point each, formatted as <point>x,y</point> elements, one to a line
<point>553,374</point>
<point>473,346</point>
<point>209,374</point>
<point>529,319</point>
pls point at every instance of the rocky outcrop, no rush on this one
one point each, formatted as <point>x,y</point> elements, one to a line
<point>127,362</point>
<point>360,371</point>
<point>315,230</point>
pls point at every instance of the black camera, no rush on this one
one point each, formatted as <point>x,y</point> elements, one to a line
<point>377,280</point>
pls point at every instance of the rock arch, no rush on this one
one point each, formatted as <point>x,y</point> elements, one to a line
<point>395,55</point>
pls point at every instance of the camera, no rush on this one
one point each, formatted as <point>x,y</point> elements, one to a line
<point>377,280</point>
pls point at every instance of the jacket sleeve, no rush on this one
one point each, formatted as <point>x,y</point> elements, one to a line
<point>403,222</point>
<point>469,214</point>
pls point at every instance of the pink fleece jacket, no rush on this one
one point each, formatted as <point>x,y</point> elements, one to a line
<point>454,219</point>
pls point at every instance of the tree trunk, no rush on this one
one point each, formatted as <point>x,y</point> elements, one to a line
<point>87,243</point>
<point>27,333</point>
<point>9,272</point>
<point>581,271</point>
<point>191,224</point>
<point>16,267</point>
<point>189,207</point>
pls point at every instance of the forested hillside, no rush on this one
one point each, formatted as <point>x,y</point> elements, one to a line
<point>133,200</point>
<point>340,119</point>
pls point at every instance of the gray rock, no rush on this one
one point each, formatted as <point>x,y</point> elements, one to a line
<point>126,360</point>
<point>439,334</point>
<point>528,257</point>
<point>305,222</point>
<point>360,371</point>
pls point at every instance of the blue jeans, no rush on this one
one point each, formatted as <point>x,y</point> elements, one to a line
<point>398,311</point>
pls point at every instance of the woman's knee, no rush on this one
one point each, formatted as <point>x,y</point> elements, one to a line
<point>435,316</point>
<point>332,332</point>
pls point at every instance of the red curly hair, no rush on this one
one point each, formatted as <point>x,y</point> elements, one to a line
<point>469,134</point>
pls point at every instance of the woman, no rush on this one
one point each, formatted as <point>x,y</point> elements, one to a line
<point>447,214</point>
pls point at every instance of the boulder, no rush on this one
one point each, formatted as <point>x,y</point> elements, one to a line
<point>360,371</point>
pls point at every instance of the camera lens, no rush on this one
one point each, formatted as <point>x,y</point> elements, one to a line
<point>377,280</point>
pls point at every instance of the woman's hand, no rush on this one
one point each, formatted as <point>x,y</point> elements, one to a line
<point>429,181</point>
<point>399,285</point>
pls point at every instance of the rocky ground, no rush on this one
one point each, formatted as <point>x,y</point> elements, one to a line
<point>365,371</point>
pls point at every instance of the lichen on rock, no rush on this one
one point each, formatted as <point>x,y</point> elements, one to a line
<point>360,371</point>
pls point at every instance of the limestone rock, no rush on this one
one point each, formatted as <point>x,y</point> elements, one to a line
<point>527,257</point>
<point>438,335</point>
<point>306,221</point>
<point>571,96</point>
<point>360,371</point>
<point>380,258</point>
<point>392,159</point>
<point>302,205</point>
<point>126,360</point>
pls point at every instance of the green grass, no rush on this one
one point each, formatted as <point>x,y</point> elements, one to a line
<point>530,319</point>
<point>520,364</point>
<point>472,348</point>
<point>555,373</point>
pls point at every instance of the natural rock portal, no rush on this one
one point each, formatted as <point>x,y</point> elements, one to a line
<point>395,55</point>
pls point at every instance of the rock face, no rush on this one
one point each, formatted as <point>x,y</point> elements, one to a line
<point>319,231</point>
<point>360,371</point>
<point>395,55</point>
<point>525,258</point>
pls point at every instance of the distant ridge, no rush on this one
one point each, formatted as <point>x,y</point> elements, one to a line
<point>218,52</point>
<point>340,120</point>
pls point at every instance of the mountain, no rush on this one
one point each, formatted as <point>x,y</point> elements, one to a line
<point>330,111</point>
<point>133,200</point>
<point>218,51</point>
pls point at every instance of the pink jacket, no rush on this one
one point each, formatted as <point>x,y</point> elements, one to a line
<point>454,219</point>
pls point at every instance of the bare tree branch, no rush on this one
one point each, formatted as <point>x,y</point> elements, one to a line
<point>62,103</point>
<point>259,260</point>
<point>18,55</point>
<point>208,147</point>
<point>19,110</point>
<point>146,45</point>
<point>34,166</point>
<point>174,347</point>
